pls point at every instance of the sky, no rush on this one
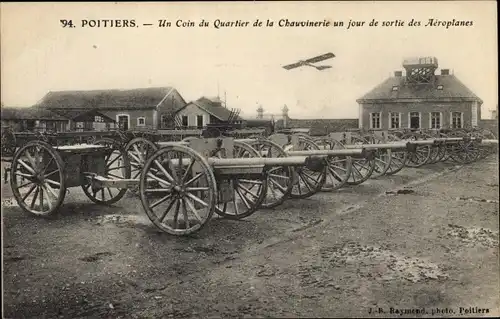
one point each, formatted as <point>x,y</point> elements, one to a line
<point>38,55</point>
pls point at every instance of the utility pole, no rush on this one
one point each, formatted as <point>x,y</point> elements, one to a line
<point>225,100</point>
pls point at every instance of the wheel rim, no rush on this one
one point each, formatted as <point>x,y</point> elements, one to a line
<point>37,179</point>
<point>190,190</point>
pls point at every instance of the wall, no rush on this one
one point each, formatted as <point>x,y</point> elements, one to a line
<point>134,115</point>
<point>192,111</point>
<point>320,126</point>
<point>491,125</point>
<point>425,108</point>
<point>174,101</point>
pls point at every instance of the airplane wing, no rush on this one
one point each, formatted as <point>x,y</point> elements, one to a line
<point>320,58</point>
<point>293,66</point>
<point>323,67</point>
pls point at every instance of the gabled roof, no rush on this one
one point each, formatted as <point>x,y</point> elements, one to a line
<point>144,98</point>
<point>452,90</point>
<point>214,109</point>
<point>29,113</point>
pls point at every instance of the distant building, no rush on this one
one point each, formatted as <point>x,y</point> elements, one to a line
<point>420,99</point>
<point>130,109</point>
<point>204,111</point>
<point>494,114</point>
<point>24,119</point>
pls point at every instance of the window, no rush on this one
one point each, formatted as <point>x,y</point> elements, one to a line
<point>395,88</point>
<point>98,119</point>
<point>414,121</point>
<point>394,120</point>
<point>141,121</point>
<point>456,119</point>
<point>184,120</point>
<point>375,120</point>
<point>199,121</point>
<point>440,87</point>
<point>435,119</point>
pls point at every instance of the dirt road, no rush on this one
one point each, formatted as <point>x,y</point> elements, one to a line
<point>357,252</point>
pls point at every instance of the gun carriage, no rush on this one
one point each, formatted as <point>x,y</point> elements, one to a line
<point>203,175</point>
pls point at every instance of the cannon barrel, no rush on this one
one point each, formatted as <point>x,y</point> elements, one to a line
<point>340,152</point>
<point>489,142</point>
<point>392,146</point>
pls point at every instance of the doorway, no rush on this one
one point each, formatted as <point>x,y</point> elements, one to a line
<point>123,122</point>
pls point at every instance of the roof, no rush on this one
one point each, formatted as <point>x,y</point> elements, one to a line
<point>29,113</point>
<point>214,109</point>
<point>144,98</point>
<point>452,90</point>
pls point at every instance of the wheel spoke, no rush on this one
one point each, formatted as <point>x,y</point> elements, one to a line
<point>161,200</point>
<point>164,171</point>
<point>31,170</point>
<point>29,192</point>
<point>49,181</point>
<point>35,197</point>
<point>165,213</point>
<point>196,199</point>
<point>193,210</point>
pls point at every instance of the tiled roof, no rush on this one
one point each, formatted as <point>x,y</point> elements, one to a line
<point>144,98</point>
<point>29,113</point>
<point>452,89</point>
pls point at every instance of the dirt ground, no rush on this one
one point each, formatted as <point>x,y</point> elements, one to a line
<point>429,251</point>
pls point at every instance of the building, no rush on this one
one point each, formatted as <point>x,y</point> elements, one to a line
<point>30,119</point>
<point>420,99</point>
<point>143,108</point>
<point>204,111</point>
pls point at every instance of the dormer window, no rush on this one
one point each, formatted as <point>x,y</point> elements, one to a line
<point>440,87</point>
<point>395,88</point>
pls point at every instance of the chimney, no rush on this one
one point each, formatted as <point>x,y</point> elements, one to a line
<point>445,71</point>
<point>398,73</point>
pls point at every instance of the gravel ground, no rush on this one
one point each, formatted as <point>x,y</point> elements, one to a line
<point>357,252</point>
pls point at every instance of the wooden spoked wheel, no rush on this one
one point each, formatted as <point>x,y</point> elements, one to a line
<point>436,150</point>
<point>249,191</point>
<point>382,158</point>
<point>362,168</point>
<point>138,151</point>
<point>421,154</point>
<point>465,152</point>
<point>279,178</point>
<point>339,168</point>
<point>117,166</point>
<point>178,190</point>
<point>398,157</point>
<point>38,179</point>
<point>307,182</point>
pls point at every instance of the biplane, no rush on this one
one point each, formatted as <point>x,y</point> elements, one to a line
<point>309,62</point>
